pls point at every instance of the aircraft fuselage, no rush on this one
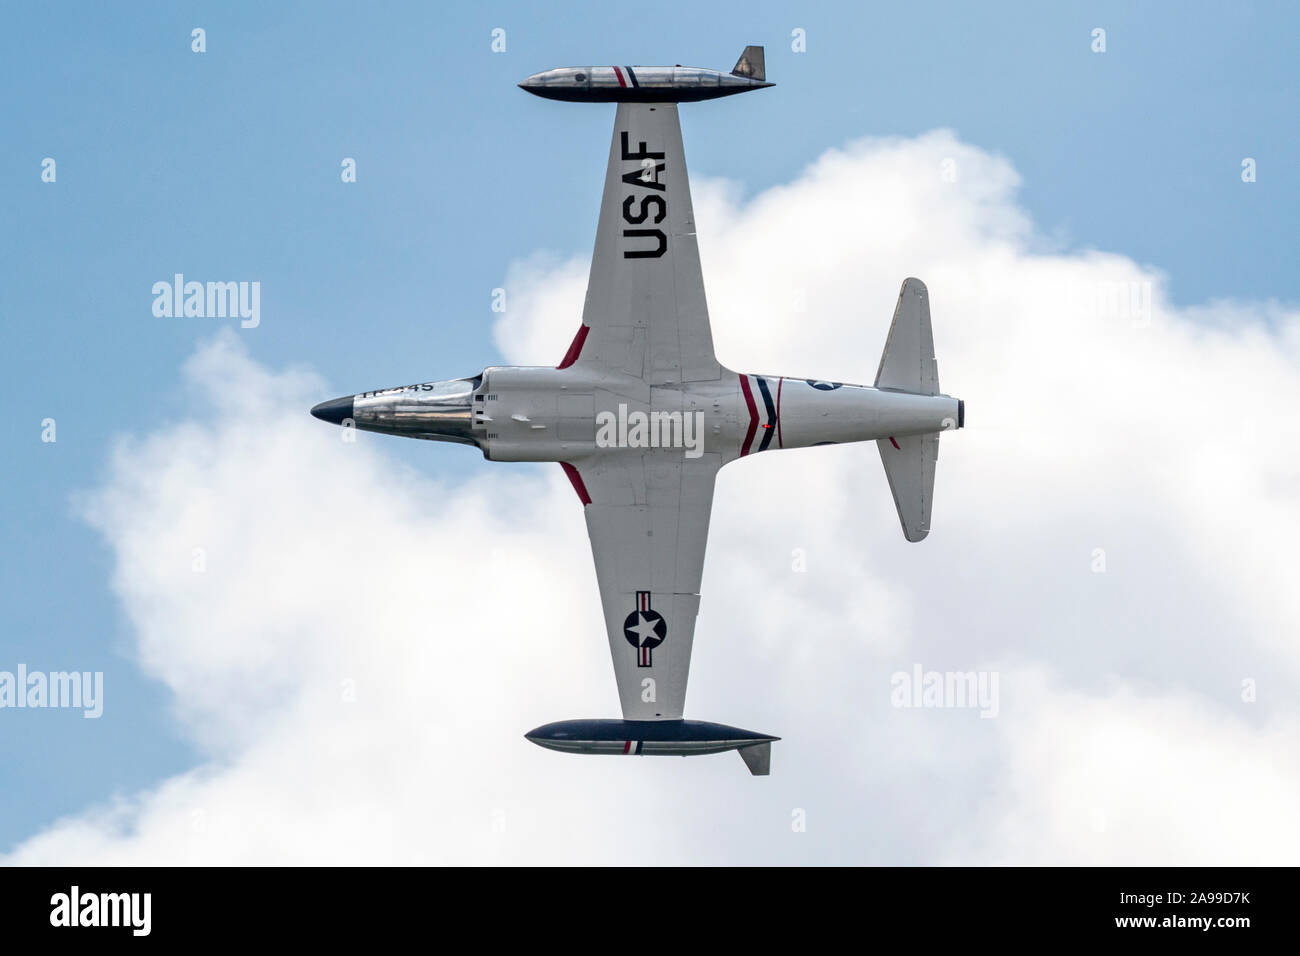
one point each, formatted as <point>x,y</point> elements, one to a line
<point>526,413</point>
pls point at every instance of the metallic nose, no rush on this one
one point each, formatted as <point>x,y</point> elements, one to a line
<point>335,410</point>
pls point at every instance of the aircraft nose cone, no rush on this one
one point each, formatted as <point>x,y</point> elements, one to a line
<point>334,411</point>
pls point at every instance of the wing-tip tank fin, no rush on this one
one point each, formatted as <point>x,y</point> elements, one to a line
<point>751,64</point>
<point>758,758</point>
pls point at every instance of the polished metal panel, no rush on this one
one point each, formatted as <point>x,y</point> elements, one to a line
<point>438,411</point>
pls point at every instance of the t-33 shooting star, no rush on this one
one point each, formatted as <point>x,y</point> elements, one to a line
<point>641,415</point>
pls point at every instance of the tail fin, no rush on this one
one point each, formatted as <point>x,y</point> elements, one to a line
<point>908,365</point>
<point>750,64</point>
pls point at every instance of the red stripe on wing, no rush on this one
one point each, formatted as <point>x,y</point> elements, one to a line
<point>579,485</point>
<point>575,347</point>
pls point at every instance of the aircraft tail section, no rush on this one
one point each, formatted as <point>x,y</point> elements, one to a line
<point>908,365</point>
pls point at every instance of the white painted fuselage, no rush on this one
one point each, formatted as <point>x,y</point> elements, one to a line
<point>527,413</point>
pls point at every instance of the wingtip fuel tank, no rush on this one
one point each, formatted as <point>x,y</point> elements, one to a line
<point>656,738</point>
<point>649,84</point>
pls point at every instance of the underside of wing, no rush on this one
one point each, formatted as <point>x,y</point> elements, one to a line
<point>648,520</point>
<point>645,313</point>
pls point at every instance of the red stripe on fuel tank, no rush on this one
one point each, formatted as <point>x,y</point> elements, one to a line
<point>579,485</point>
<point>753,415</point>
<point>575,347</point>
<point>893,442</point>
<point>619,73</point>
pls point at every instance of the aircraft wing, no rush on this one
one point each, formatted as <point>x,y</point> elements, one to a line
<point>648,519</point>
<point>645,313</point>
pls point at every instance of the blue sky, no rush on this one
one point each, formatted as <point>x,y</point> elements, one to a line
<point>225,165</point>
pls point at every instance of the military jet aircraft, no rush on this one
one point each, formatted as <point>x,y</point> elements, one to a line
<point>640,413</point>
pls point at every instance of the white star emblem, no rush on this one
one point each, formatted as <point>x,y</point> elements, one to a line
<point>645,629</point>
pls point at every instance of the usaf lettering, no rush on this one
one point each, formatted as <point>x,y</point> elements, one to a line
<point>646,176</point>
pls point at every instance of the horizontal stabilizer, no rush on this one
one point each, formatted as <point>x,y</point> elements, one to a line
<point>909,466</point>
<point>907,364</point>
<point>750,64</point>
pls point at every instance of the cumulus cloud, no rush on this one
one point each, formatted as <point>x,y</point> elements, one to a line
<point>366,645</point>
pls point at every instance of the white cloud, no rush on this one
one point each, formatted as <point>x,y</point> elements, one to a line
<point>465,614</point>
<point>1126,778</point>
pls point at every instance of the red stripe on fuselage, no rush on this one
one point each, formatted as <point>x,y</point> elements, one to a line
<point>753,415</point>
